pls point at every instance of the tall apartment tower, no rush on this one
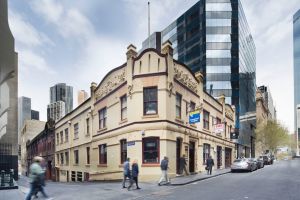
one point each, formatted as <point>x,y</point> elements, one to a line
<point>24,107</point>
<point>213,37</point>
<point>60,94</point>
<point>82,96</point>
<point>8,95</point>
<point>25,111</point>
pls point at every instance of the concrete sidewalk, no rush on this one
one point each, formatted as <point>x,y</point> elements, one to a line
<point>183,180</point>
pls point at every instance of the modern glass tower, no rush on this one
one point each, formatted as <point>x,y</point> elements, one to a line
<point>296,35</point>
<point>213,37</point>
<point>62,92</point>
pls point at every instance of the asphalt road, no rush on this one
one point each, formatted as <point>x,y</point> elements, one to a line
<point>280,181</point>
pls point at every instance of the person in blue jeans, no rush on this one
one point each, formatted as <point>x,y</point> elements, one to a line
<point>126,172</point>
<point>134,175</point>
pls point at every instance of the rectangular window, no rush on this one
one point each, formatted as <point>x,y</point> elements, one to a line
<point>218,69</point>
<point>218,22</point>
<point>218,38</point>
<point>66,135</point>
<point>67,158</point>
<point>88,155</point>
<point>218,54</point>
<point>150,101</point>
<point>76,130</point>
<point>206,152</point>
<point>102,154</point>
<point>124,107</point>
<point>205,119</point>
<point>88,126</point>
<point>123,146</point>
<point>61,137</point>
<point>57,138</point>
<point>62,159</point>
<point>151,150</point>
<point>218,7</point>
<point>178,105</point>
<point>76,157</point>
<point>57,159</point>
<point>102,118</point>
<point>192,106</point>
<point>219,84</point>
<point>218,121</point>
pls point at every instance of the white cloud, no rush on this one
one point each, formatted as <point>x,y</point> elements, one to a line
<point>25,33</point>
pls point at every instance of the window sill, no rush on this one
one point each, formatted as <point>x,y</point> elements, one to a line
<point>87,165</point>
<point>207,130</point>
<point>150,116</point>
<point>75,165</point>
<point>76,138</point>
<point>102,129</point>
<point>151,165</point>
<point>193,125</point>
<point>123,121</point>
<point>102,165</point>
<point>179,120</point>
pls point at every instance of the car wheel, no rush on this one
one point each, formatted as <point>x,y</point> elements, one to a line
<point>232,171</point>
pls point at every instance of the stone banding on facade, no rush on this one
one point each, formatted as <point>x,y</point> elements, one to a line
<point>140,110</point>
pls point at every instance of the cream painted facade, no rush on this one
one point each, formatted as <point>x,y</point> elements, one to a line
<point>30,130</point>
<point>152,84</point>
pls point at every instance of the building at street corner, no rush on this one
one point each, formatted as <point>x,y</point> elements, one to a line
<point>141,110</point>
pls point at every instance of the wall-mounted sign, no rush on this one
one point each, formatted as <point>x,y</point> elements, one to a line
<point>132,143</point>
<point>194,117</point>
<point>234,135</point>
<point>219,128</point>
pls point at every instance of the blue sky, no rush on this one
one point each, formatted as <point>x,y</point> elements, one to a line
<point>78,42</point>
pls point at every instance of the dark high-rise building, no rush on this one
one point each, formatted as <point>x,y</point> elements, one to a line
<point>61,93</point>
<point>296,35</point>
<point>24,106</point>
<point>8,95</point>
<point>213,37</point>
<point>35,115</point>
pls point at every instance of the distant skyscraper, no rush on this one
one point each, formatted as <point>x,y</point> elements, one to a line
<point>56,110</point>
<point>24,106</point>
<point>213,37</point>
<point>8,96</point>
<point>35,115</point>
<point>62,92</point>
<point>82,96</point>
<point>25,111</point>
<point>296,34</point>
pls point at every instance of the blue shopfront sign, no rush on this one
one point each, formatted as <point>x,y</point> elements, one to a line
<point>194,117</point>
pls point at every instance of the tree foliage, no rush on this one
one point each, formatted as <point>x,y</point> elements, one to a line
<point>271,135</point>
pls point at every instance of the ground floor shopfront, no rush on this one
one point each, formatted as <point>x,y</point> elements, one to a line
<point>102,158</point>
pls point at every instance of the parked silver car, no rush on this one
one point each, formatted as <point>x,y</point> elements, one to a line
<point>260,163</point>
<point>254,162</point>
<point>243,164</point>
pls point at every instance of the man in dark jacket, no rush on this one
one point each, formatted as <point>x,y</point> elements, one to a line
<point>209,164</point>
<point>182,165</point>
<point>135,174</point>
<point>164,165</point>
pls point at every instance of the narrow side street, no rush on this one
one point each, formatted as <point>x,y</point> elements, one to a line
<point>270,182</point>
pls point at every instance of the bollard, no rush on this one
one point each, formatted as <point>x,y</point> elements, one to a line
<point>11,178</point>
<point>2,178</point>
